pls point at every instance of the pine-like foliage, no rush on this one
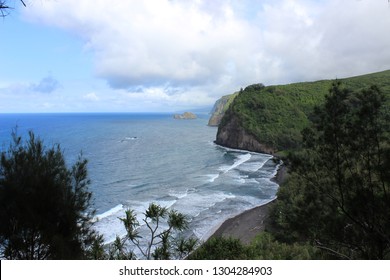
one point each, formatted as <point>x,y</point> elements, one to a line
<point>44,205</point>
<point>338,193</point>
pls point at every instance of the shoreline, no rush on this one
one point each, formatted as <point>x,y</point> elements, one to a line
<point>248,224</point>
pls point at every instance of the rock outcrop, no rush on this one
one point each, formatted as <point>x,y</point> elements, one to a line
<point>231,134</point>
<point>185,116</point>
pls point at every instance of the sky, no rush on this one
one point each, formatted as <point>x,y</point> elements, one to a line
<point>173,55</point>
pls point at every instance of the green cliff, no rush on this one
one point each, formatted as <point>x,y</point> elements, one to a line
<point>219,109</point>
<point>270,118</point>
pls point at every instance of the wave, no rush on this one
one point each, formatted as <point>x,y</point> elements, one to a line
<point>254,166</point>
<point>108,213</point>
<point>196,203</point>
<point>166,203</point>
<point>241,151</point>
<point>109,225</point>
<point>180,195</point>
<point>128,139</point>
<point>241,159</point>
<point>212,177</point>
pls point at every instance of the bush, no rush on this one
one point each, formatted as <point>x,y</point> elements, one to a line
<point>221,248</point>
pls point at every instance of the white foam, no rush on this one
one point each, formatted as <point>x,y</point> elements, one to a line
<point>212,177</point>
<point>166,203</point>
<point>242,151</point>
<point>196,203</point>
<point>110,212</point>
<point>241,159</point>
<point>240,180</point>
<point>177,194</point>
<point>252,181</point>
<point>109,225</point>
<point>254,165</point>
<point>128,139</point>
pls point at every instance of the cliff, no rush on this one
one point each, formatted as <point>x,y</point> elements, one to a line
<point>269,119</point>
<point>185,116</point>
<point>219,109</point>
<point>232,135</point>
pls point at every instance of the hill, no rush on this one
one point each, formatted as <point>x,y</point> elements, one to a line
<point>270,118</point>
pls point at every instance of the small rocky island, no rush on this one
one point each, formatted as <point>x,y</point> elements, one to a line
<point>185,116</point>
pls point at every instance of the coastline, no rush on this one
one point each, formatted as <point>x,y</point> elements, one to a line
<point>246,225</point>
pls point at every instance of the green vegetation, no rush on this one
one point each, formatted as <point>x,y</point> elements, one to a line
<point>276,115</point>
<point>220,107</point>
<point>335,138</point>
<point>163,242</point>
<point>337,196</point>
<point>45,207</point>
<point>264,247</point>
<point>219,248</point>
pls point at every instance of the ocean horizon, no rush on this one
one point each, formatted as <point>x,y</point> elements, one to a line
<point>135,159</point>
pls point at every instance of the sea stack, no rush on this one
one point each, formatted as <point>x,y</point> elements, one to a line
<point>185,116</point>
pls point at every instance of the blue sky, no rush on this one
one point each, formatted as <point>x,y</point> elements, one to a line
<point>171,55</point>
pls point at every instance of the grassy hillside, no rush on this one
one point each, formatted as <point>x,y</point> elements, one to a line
<point>275,115</point>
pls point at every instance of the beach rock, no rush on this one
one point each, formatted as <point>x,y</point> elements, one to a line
<point>185,116</point>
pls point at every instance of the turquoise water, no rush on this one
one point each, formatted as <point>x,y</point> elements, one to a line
<point>136,159</point>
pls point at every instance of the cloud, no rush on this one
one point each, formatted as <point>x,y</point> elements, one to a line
<point>46,85</point>
<point>91,97</point>
<point>174,49</point>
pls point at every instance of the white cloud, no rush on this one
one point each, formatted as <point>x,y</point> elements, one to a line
<point>194,51</point>
<point>91,97</point>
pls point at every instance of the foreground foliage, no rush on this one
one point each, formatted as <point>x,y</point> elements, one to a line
<point>338,193</point>
<point>44,205</point>
<point>263,247</point>
<point>163,241</point>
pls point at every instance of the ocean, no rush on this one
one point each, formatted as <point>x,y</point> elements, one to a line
<point>137,159</point>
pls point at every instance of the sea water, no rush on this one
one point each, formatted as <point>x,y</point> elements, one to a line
<point>137,159</point>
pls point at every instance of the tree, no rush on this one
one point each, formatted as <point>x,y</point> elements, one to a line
<point>338,194</point>
<point>4,7</point>
<point>44,205</point>
<point>163,242</point>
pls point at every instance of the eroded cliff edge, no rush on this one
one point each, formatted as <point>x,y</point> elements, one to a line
<point>231,134</point>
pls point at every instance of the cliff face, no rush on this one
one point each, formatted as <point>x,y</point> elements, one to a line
<point>231,134</point>
<point>270,118</point>
<point>219,109</point>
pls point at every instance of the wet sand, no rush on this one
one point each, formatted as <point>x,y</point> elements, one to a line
<point>246,225</point>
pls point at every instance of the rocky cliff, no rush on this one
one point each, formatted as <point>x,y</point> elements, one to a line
<point>219,109</point>
<point>270,119</point>
<point>231,134</point>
